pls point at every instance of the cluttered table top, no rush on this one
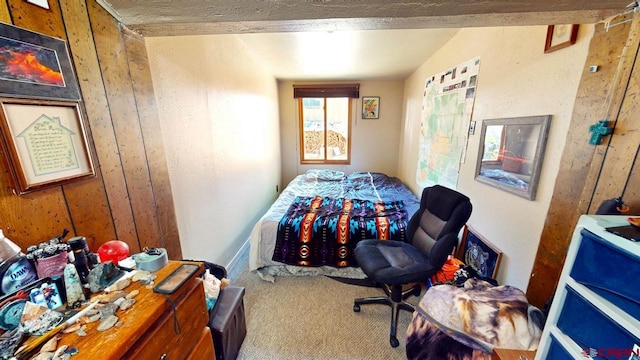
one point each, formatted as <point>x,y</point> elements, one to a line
<point>126,319</point>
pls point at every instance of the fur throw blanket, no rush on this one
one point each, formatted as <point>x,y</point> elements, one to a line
<point>476,318</point>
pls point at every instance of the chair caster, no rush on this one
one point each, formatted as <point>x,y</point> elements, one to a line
<point>416,291</point>
<point>356,308</point>
<point>394,341</point>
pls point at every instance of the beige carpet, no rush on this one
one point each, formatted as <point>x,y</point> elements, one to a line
<point>311,317</point>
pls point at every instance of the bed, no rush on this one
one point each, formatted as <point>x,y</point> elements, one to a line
<point>331,190</point>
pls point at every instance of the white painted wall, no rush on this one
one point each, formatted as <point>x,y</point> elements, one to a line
<point>516,79</point>
<point>227,149</point>
<point>218,111</point>
<point>374,143</point>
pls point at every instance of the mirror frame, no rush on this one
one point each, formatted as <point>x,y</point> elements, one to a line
<point>543,122</point>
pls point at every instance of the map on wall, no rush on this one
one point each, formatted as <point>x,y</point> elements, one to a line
<point>447,105</point>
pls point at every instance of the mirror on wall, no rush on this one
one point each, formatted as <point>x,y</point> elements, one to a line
<point>511,153</point>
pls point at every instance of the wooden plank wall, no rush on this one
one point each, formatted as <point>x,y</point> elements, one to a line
<point>130,198</point>
<point>591,174</point>
<point>622,150</point>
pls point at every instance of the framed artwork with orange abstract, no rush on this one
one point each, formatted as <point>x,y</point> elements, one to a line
<point>35,66</point>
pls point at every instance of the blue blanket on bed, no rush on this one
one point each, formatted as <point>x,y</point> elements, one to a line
<point>318,230</point>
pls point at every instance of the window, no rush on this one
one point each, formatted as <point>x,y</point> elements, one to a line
<point>324,115</point>
<point>325,130</point>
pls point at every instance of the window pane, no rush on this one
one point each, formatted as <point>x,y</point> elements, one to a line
<point>492,143</point>
<point>325,130</point>
<point>337,128</point>
<point>313,128</point>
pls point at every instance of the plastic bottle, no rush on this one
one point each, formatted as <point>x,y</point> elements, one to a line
<point>16,270</point>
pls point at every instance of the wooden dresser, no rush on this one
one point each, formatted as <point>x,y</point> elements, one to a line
<point>151,328</point>
<point>507,354</point>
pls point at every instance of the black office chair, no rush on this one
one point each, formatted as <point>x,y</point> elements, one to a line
<point>433,234</point>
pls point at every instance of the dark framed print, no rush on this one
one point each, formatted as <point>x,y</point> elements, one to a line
<point>370,107</point>
<point>34,65</point>
<point>560,36</point>
<point>45,143</point>
<point>479,253</point>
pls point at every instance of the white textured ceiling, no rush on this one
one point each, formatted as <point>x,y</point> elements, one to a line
<point>346,55</point>
<point>347,39</point>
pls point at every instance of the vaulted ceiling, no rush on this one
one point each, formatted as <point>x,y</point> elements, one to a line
<point>404,33</point>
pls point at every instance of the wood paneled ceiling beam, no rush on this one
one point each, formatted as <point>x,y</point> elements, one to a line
<point>184,17</point>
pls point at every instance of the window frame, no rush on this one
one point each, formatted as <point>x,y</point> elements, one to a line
<point>324,161</point>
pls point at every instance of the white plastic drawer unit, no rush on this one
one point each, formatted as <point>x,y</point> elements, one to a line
<point>607,270</point>
<point>595,312</point>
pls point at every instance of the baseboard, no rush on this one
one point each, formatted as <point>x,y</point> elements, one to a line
<point>236,258</point>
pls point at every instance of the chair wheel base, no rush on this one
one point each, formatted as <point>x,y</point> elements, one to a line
<point>356,308</point>
<point>394,341</point>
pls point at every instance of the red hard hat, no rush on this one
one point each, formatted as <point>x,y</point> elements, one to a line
<point>114,250</point>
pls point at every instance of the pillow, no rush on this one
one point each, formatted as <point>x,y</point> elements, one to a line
<point>325,175</point>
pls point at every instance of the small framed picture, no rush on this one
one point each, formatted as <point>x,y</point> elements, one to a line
<point>46,295</point>
<point>560,36</point>
<point>479,253</point>
<point>34,65</point>
<point>45,143</point>
<point>370,107</point>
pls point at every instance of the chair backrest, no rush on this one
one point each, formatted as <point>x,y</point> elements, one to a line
<point>434,228</point>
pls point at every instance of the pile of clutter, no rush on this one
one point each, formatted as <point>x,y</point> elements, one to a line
<point>36,286</point>
<point>212,287</point>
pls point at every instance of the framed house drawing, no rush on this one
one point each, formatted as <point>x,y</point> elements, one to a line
<point>45,143</point>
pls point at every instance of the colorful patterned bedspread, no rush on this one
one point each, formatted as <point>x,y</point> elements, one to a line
<point>317,231</point>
